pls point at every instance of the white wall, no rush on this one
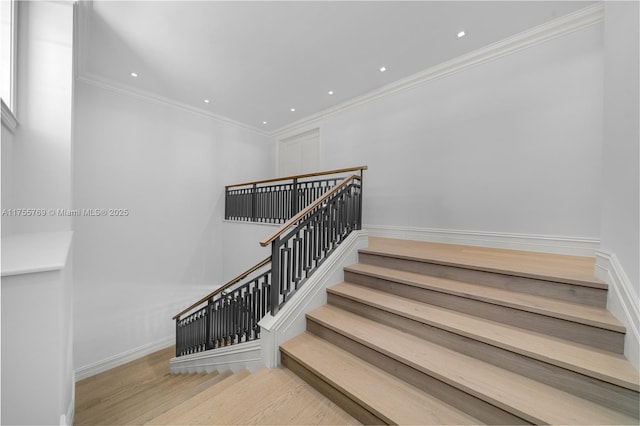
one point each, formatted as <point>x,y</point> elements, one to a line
<point>512,145</point>
<point>168,167</point>
<point>37,382</point>
<point>621,188</point>
<point>244,237</point>
<point>37,364</point>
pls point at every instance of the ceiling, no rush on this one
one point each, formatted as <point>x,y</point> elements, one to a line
<point>254,61</point>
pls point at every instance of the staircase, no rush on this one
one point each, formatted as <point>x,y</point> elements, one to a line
<point>424,333</point>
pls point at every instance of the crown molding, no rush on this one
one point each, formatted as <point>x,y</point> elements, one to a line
<point>112,86</point>
<point>558,27</point>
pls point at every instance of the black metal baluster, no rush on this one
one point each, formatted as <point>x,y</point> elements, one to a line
<point>276,277</point>
<point>299,249</point>
<point>294,198</point>
<point>208,343</point>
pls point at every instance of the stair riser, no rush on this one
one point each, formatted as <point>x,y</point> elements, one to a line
<point>358,411</point>
<point>564,329</point>
<point>598,391</point>
<point>562,291</point>
<point>470,404</point>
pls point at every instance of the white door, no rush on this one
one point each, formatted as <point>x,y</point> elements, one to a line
<point>299,154</point>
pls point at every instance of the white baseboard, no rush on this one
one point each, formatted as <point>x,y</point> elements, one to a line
<point>122,358</point>
<point>622,301</point>
<point>290,320</point>
<point>576,246</point>
<point>236,357</point>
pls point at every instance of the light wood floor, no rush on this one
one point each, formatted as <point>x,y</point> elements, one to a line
<point>143,392</point>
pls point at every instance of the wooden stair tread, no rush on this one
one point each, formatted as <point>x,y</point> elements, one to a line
<point>526,398</point>
<point>391,399</point>
<point>603,365</point>
<point>584,314</point>
<point>172,416</point>
<point>271,396</point>
<point>555,267</point>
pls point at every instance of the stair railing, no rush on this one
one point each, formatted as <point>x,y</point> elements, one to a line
<point>278,200</point>
<point>229,316</point>
<point>304,242</point>
<point>231,313</point>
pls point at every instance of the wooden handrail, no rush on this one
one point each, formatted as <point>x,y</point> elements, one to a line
<point>226,286</point>
<point>329,172</point>
<point>307,210</point>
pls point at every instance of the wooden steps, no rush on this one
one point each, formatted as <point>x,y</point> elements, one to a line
<point>365,388</point>
<point>579,323</point>
<point>544,266</point>
<point>511,348</point>
<point>561,277</point>
<point>421,362</point>
<point>143,392</point>
<point>584,360</point>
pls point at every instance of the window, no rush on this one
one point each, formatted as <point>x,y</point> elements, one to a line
<point>8,15</point>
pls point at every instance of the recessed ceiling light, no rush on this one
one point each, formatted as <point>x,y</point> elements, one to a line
<point>292,110</point>
<point>330,92</point>
<point>206,101</point>
<point>461,34</point>
<point>133,74</point>
<point>383,69</point>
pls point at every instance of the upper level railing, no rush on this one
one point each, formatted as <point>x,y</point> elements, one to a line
<point>231,313</point>
<point>278,200</point>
